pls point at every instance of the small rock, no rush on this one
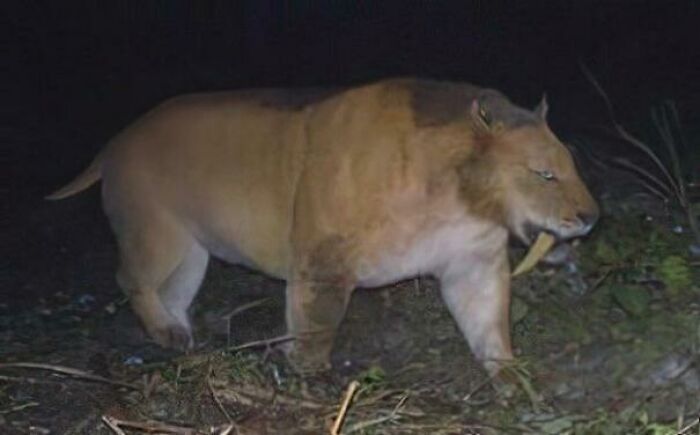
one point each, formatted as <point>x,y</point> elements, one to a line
<point>633,299</point>
<point>518,310</point>
<point>670,368</point>
<point>557,426</point>
<point>695,249</point>
<point>85,302</point>
<point>133,360</point>
<point>691,379</point>
<point>111,308</point>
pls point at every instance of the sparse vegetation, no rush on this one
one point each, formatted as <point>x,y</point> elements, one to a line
<point>672,179</point>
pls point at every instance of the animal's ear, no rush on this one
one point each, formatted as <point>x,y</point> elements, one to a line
<point>542,108</point>
<point>482,119</point>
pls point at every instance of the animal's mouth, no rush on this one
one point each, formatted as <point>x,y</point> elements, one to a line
<point>531,232</point>
<point>545,245</point>
<point>538,250</point>
<point>541,242</point>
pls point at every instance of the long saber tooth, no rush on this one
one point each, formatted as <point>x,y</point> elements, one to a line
<point>538,250</point>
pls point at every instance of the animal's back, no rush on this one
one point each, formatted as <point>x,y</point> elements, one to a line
<point>196,160</point>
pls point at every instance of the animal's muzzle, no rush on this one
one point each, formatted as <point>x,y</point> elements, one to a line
<point>581,225</point>
<point>587,221</point>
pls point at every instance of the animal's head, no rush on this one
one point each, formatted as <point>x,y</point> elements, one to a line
<point>533,181</point>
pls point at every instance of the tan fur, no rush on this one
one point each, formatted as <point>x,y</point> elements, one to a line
<point>330,191</point>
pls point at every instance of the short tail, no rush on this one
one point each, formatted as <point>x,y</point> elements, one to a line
<point>86,179</point>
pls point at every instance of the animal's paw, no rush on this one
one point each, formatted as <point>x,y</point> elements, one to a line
<point>506,384</point>
<point>174,336</point>
<point>306,362</point>
<point>504,376</point>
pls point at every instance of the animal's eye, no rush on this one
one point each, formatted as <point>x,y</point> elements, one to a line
<point>547,175</point>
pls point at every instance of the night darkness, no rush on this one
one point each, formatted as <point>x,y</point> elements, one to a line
<point>75,73</point>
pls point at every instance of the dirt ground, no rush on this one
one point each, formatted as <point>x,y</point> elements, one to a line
<point>608,343</point>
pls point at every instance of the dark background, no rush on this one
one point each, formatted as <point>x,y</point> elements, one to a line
<point>77,72</point>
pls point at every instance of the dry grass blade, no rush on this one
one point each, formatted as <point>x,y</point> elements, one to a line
<point>81,374</point>
<point>349,394</point>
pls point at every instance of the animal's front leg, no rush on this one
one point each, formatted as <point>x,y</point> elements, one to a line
<point>314,312</point>
<point>477,293</point>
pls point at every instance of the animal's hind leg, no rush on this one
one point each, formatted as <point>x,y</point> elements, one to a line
<point>181,287</point>
<point>149,255</point>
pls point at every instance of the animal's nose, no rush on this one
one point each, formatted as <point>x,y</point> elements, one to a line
<point>588,219</point>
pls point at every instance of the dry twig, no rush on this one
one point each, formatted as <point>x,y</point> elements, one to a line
<point>238,310</point>
<point>216,398</point>
<point>20,407</point>
<point>81,374</point>
<point>248,395</point>
<point>349,394</point>
<point>116,425</point>
<point>379,420</point>
<point>112,424</point>
<point>262,343</point>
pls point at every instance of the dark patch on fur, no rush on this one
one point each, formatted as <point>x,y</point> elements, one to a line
<point>330,284</point>
<point>327,309</point>
<point>478,188</point>
<point>436,104</point>
<point>328,262</point>
<point>292,99</point>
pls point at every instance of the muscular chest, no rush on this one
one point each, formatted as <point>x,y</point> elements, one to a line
<point>428,250</point>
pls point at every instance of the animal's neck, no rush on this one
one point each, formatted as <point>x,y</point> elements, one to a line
<point>479,189</point>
